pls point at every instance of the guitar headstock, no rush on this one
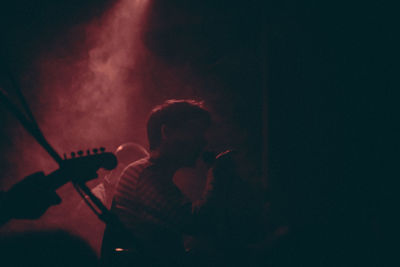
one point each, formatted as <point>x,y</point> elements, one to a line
<point>82,166</point>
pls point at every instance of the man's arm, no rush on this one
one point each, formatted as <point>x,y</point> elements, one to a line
<point>27,199</point>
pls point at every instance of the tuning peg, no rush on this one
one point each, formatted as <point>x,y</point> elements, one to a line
<point>80,153</point>
<point>102,149</point>
<point>95,150</point>
<point>73,154</point>
<point>88,152</point>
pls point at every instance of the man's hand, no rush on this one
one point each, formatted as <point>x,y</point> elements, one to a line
<point>28,199</point>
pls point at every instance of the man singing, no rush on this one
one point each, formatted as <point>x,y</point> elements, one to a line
<point>152,209</point>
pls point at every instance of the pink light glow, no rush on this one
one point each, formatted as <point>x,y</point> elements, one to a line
<point>82,101</point>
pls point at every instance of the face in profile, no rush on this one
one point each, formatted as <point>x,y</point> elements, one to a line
<point>188,141</point>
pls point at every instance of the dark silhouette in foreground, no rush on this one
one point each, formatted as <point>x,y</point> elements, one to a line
<point>45,248</point>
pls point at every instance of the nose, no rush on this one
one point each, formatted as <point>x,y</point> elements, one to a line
<point>203,143</point>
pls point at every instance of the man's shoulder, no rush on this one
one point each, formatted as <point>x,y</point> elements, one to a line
<point>133,173</point>
<point>137,167</point>
<point>141,163</point>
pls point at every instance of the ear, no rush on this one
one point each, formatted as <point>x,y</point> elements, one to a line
<point>164,132</point>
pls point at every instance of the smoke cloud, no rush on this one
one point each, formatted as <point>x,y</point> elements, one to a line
<point>91,95</point>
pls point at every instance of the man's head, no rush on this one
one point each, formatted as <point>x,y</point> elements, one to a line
<point>176,130</point>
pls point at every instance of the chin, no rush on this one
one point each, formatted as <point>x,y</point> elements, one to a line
<point>189,162</point>
<point>190,159</point>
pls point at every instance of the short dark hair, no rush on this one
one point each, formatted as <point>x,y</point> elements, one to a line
<point>174,113</point>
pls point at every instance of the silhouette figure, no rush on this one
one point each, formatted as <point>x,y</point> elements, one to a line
<point>153,210</point>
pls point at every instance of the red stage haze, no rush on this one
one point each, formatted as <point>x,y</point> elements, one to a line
<point>84,100</point>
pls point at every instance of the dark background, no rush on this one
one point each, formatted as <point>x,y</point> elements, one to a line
<point>303,87</point>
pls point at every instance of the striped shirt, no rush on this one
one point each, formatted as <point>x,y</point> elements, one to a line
<point>151,206</point>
